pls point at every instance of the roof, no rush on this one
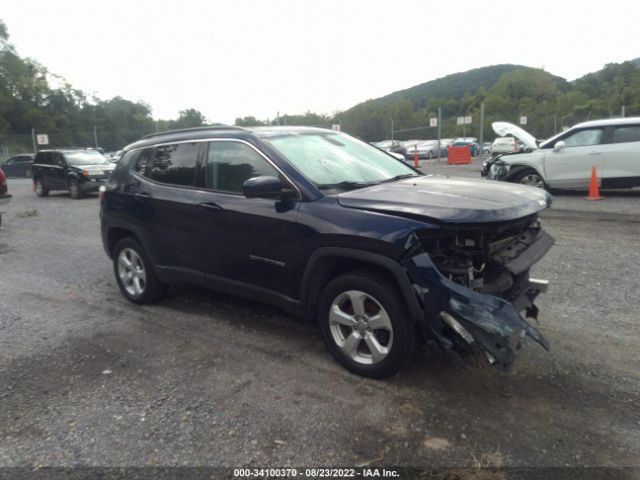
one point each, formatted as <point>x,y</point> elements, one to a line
<point>220,131</point>
<point>609,121</point>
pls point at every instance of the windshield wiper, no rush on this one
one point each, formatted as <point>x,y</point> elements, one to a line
<point>399,177</point>
<point>345,185</point>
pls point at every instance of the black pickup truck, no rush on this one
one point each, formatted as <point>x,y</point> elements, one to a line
<point>77,170</point>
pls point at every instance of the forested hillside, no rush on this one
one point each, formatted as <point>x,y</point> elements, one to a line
<point>508,92</point>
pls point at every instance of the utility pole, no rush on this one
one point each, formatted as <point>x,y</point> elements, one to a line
<point>622,112</point>
<point>33,137</point>
<point>95,135</point>
<point>482,128</point>
<point>555,124</point>
<point>391,118</point>
<point>439,129</point>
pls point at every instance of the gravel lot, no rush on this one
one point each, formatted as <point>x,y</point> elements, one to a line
<point>203,379</point>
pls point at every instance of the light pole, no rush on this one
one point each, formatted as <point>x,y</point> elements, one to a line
<point>391,118</point>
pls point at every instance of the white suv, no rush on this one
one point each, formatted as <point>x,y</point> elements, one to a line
<point>565,161</point>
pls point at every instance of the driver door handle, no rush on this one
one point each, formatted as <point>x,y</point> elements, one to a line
<point>141,196</point>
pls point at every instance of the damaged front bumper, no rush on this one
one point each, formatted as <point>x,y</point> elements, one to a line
<point>457,316</point>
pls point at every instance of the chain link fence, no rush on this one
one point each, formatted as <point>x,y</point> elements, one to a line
<point>107,139</point>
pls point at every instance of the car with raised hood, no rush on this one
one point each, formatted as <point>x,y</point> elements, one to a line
<point>333,230</point>
<point>78,170</point>
<point>565,161</point>
<point>5,197</point>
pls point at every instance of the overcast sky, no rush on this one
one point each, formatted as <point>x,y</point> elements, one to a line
<point>230,58</point>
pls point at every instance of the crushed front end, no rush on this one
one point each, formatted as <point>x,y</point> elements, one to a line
<point>474,286</point>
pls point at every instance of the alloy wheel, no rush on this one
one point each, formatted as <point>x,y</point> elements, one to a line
<point>131,272</point>
<point>361,327</point>
<point>533,180</point>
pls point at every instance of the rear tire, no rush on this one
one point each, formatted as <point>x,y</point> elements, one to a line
<point>134,273</point>
<point>365,324</point>
<point>40,189</point>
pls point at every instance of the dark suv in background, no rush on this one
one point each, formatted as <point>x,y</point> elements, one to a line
<point>77,170</point>
<point>331,229</point>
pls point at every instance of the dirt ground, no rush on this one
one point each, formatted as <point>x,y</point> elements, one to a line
<point>205,379</point>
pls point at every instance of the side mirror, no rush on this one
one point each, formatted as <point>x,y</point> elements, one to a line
<point>264,187</point>
<point>559,146</point>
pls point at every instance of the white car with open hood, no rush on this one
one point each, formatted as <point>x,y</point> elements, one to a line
<point>565,161</point>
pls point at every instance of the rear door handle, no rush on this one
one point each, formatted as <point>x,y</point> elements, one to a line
<point>210,206</point>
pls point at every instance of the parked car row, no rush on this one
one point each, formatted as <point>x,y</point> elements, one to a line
<point>428,149</point>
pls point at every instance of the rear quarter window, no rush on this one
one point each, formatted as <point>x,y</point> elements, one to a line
<point>626,134</point>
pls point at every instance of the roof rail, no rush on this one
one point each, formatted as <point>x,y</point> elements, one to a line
<point>215,126</point>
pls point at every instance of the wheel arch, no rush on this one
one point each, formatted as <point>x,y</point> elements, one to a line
<point>518,168</point>
<point>114,233</point>
<point>327,263</point>
<point>72,176</point>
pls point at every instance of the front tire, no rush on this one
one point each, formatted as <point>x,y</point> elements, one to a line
<point>74,189</point>
<point>365,325</point>
<point>134,273</point>
<point>530,177</point>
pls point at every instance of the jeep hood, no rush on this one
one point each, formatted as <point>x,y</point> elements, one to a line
<point>450,200</point>
<point>505,128</point>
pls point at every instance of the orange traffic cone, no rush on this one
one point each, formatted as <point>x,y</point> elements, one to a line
<point>594,191</point>
<point>416,158</point>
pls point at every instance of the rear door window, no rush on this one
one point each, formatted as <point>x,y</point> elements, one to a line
<point>173,164</point>
<point>627,133</point>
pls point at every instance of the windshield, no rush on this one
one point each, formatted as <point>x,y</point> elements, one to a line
<point>334,160</point>
<point>85,157</point>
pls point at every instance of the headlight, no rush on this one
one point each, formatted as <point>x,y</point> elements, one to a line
<point>499,170</point>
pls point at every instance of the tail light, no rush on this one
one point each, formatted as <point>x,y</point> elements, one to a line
<point>101,191</point>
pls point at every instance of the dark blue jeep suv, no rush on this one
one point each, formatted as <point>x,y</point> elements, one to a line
<point>332,229</point>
